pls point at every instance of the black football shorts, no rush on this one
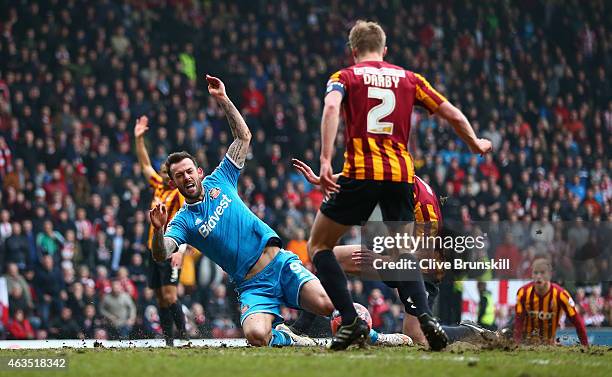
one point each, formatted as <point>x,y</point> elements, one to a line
<point>354,202</point>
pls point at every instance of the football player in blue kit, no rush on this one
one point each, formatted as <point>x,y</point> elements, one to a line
<point>215,220</point>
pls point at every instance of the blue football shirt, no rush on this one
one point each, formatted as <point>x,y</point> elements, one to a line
<point>221,226</point>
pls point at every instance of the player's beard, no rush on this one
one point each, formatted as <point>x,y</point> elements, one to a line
<point>194,194</point>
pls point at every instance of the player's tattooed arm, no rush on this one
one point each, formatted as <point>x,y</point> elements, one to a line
<point>239,148</point>
<point>162,247</point>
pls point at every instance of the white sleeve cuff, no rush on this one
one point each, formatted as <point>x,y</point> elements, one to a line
<point>234,162</point>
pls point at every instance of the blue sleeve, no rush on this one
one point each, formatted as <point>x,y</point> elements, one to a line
<point>227,172</point>
<point>177,229</point>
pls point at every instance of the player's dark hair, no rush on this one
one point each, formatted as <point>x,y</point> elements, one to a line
<point>177,157</point>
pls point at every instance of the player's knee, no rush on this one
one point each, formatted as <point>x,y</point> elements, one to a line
<point>322,305</point>
<point>314,247</point>
<point>257,336</point>
<point>311,252</point>
<point>327,307</point>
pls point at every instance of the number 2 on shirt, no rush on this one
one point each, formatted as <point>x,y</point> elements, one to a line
<point>380,111</point>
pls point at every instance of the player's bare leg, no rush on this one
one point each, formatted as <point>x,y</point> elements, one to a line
<point>258,329</point>
<point>324,235</point>
<point>258,332</point>
<point>412,328</point>
<point>314,299</point>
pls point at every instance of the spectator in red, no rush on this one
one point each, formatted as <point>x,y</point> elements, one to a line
<point>489,169</point>
<point>291,195</point>
<point>6,158</point>
<point>591,202</point>
<point>56,184</point>
<point>378,307</point>
<point>126,283</point>
<point>574,125</point>
<point>561,111</point>
<point>456,174</point>
<point>252,99</point>
<point>19,327</point>
<point>583,302</point>
<point>103,283</point>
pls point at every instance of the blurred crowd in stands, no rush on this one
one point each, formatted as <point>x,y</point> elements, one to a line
<point>532,76</point>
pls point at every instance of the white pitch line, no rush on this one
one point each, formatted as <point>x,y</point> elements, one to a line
<point>135,343</point>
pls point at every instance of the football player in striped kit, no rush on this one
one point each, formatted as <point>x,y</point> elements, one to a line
<point>376,100</point>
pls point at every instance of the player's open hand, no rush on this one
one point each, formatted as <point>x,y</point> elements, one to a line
<point>159,216</point>
<point>142,126</point>
<point>176,260</point>
<point>306,171</point>
<point>216,88</point>
<point>328,185</point>
<point>364,257</point>
<point>482,146</point>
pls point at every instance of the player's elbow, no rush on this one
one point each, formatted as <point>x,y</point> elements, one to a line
<point>332,103</point>
<point>452,114</point>
<point>246,136</point>
<point>331,109</point>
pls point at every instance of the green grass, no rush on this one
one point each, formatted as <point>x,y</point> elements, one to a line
<point>297,362</point>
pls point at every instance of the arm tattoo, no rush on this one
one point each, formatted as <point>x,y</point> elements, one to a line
<point>162,247</point>
<point>237,151</point>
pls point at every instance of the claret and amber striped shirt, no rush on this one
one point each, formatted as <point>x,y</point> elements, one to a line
<point>171,198</point>
<point>377,104</point>
<point>537,316</point>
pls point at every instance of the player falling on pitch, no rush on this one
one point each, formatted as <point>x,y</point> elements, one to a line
<point>164,275</point>
<point>376,99</point>
<point>358,262</point>
<point>539,305</point>
<point>215,220</point>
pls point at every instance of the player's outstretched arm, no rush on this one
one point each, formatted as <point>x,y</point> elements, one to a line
<point>142,126</point>
<point>569,307</point>
<point>463,128</point>
<point>162,247</point>
<point>329,131</point>
<point>237,151</point>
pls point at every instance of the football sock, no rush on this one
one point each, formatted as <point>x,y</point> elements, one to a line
<point>165,319</point>
<point>410,286</point>
<point>373,336</point>
<point>280,339</point>
<point>303,322</point>
<point>334,281</point>
<point>178,316</point>
<point>414,297</point>
<point>457,333</point>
